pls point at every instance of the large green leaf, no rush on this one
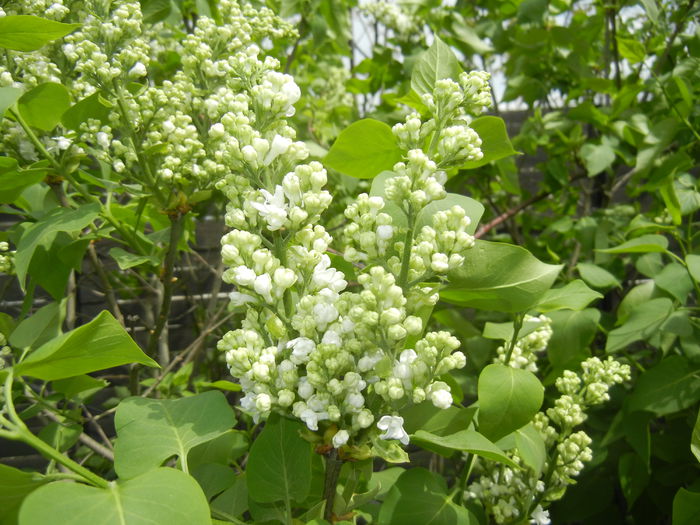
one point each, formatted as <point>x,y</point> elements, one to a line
<point>573,331</point>
<point>425,416</point>
<point>473,209</point>
<point>149,431</point>
<point>596,276</point>
<point>495,144</point>
<point>43,325</point>
<point>127,260</point>
<point>102,343</point>
<point>642,323</point>
<point>508,399</point>
<point>279,463</point>
<point>232,502</point>
<point>467,35</point>
<point>504,331</point>
<point>156,10</point>
<point>214,478</point>
<point>531,448</point>
<point>88,108</point>
<point>573,296</point>
<point>634,476</point>
<point>499,276</point>
<point>15,485</point>
<point>674,279</point>
<point>164,495</point>
<point>29,33</point>
<point>597,157</point>
<point>670,386</point>
<point>44,231</point>
<point>467,440</point>
<point>43,106</point>
<point>420,496</point>
<point>14,181</point>
<point>650,243</point>
<point>686,508</point>
<point>364,149</point>
<point>436,63</point>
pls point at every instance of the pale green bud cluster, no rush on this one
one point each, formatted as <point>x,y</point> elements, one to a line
<point>107,45</point>
<point>524,353</point>
<point>52,9</point>
<point>5,351</point>
<point>574,453</point>
<point>579,391</point>
<point>7,259</point>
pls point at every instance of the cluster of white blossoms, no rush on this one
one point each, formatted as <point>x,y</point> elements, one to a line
<point>336,357</point>
<point>508,493</point>
<point>393,15</point>
<point>161,135</point>
<point>526,348</point>
<point>7,258</point>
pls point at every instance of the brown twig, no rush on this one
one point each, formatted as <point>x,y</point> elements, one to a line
<point>106,286</point>
<point>186,355</point>
<point>517,209</point>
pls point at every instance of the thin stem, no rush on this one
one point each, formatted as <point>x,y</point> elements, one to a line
<point>86,440</point>
<point>515,210</point>
<point>281,254</point>
<point>30,439</point>
<point>407,246</point>
<point>176,227</point>
<point>35,140</point>
<point>106,285</point>
<point>517,325</point>
<point>333,466</point>
<point>18,431</point>
<point>464,479</point>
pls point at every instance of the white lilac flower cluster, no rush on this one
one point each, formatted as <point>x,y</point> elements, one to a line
<point>52,9</point>
<point>507,493</point>
<point>443,141</point>
<point>158,134</point>
<point>393,15</point>
<point>526,348</point>
<point>7,258</point>
<point>334,358</point>
<point>501,489</point>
